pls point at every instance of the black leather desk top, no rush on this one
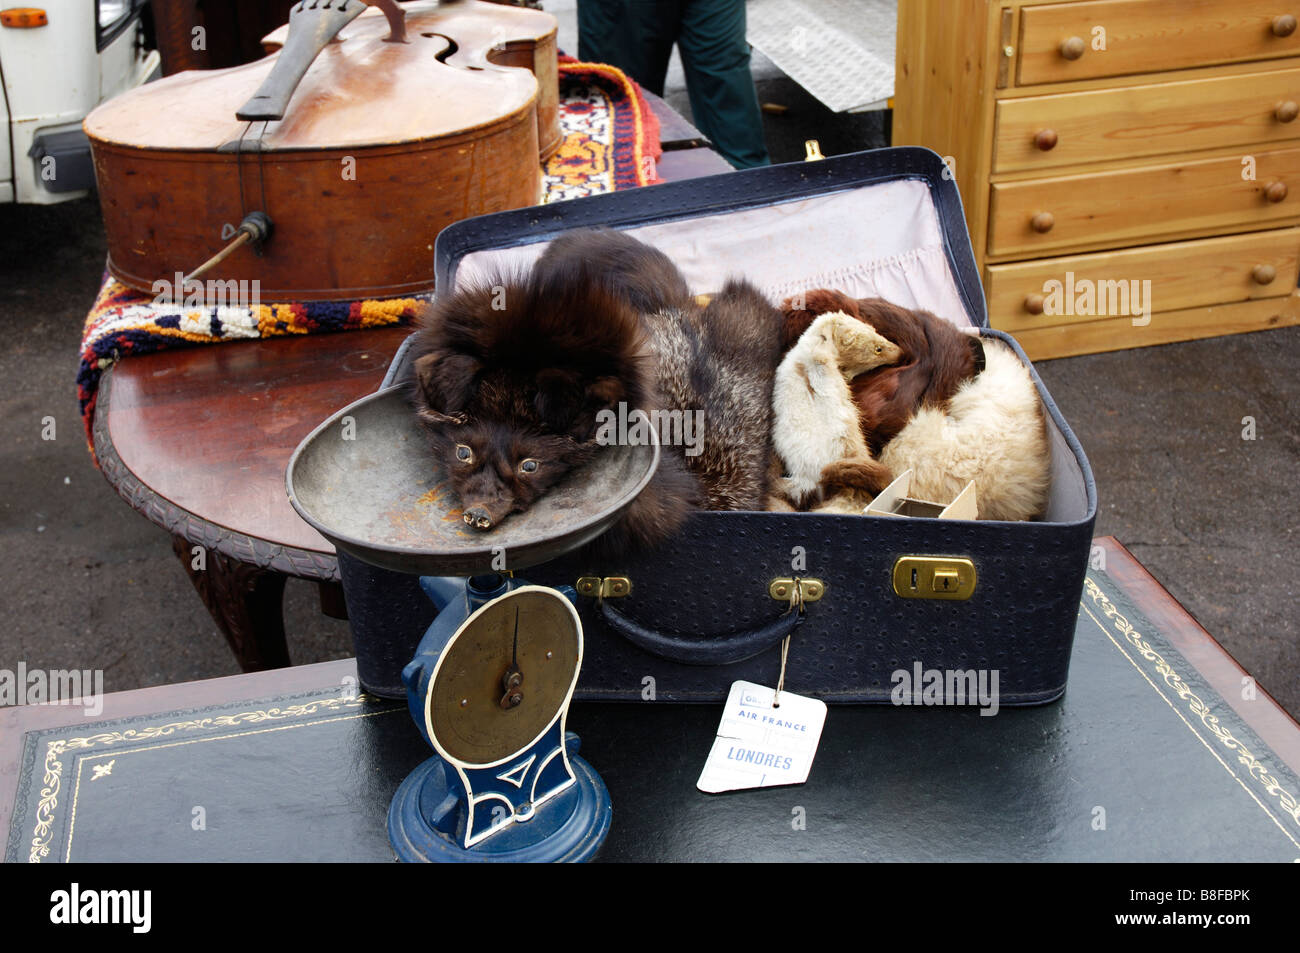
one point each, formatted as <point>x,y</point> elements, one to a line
<point>1139,736</point>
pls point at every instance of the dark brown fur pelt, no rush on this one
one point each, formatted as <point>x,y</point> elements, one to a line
<point>937,357</point>
<point>601,319</point>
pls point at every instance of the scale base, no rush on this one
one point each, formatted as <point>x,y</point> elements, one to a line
<point>569,828</point>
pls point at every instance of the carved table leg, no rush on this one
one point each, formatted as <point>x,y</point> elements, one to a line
<point>244,601</point>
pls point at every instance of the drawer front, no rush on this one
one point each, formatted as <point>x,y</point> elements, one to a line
<point>1162,118</point>
<point>1193,274</point>
<point>1142,204</point>
<point>1061,41</point>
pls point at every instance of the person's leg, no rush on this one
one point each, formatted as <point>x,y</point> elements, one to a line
<point>652,27</point>
<point>602,31</point>
<point>715,56</point>
<point>637,36</point>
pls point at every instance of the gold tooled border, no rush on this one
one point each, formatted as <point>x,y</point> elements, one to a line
<point>49,797</point>
<point>1254,767</point>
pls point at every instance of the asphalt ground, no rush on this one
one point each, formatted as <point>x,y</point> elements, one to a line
<point>90,584</point>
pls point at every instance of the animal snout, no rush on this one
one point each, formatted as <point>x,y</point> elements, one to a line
<point>478,517</point>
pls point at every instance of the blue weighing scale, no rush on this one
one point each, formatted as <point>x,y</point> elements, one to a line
<point>489,689</point>
<point>490,684</point>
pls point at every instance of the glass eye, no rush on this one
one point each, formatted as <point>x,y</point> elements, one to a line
<point>529,466</point>
<point>464,453</point>
<point>879,348</point>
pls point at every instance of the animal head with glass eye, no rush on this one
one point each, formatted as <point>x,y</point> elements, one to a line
<point>497,469</point>
<point>506,437</point>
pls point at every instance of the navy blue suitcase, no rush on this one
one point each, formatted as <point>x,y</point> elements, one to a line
<point>713,605</point>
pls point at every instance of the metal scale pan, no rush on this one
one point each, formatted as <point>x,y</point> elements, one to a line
<point>380,496</point>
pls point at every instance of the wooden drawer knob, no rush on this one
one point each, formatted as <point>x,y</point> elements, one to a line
<point>1275,192</point>
<point>1264,274</point>
<point>1286,111</point>
<point>1046,138</point>
<point>1043,221</point>
<point>1034,303</point>
<point>1073,48</point>
<point>1283,25</point>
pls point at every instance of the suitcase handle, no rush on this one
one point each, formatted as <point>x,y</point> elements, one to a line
<point>719,650</point>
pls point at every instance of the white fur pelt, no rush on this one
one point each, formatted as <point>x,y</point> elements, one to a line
<point>992,432</point>
<point>814,418</point>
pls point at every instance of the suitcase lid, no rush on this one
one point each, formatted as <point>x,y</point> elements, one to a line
<point>887,223</point>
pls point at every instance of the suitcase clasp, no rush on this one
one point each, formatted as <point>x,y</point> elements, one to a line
<point>934,577</point>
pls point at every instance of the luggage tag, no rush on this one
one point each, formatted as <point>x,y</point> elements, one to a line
<point>767,737</point>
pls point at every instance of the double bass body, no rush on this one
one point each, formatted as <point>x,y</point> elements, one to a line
<point>382,145</point>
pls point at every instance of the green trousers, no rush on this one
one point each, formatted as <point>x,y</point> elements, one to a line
<point>637,36</point>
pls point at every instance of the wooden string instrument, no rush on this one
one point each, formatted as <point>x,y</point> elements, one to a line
<point>326,169</point>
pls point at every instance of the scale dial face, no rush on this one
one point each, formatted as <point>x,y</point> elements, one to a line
<point>471,717</point>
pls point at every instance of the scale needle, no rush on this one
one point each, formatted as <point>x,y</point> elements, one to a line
<point>513,678</point>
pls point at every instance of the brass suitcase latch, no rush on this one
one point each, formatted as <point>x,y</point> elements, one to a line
<point>934,577</point>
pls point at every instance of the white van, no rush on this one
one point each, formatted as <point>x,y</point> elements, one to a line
<point>60,60</point>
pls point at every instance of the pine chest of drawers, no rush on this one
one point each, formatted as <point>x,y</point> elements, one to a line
<point>1130,168</point>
